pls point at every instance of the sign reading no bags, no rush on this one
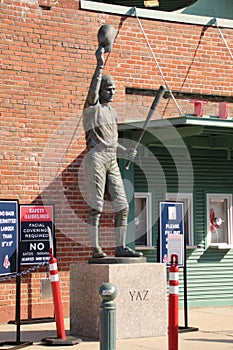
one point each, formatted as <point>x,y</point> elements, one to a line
<point>35,223</point>
<point>8,236</point>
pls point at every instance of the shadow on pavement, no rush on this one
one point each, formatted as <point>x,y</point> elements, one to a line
<point>211,340</point>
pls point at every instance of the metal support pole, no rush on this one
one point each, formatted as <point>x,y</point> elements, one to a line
<point>108,293</point>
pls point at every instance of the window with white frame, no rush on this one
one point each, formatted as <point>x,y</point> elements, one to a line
<point>219,219</point>
<point>187,199</point>
<point>143,218</point>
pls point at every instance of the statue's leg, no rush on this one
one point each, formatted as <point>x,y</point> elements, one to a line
<point>95,183</point>
<point>117,194</point>
<point>121,227</point>
<point>120,231</point>
<point>93,231</point>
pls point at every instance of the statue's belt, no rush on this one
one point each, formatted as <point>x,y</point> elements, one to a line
<point>99,147</point>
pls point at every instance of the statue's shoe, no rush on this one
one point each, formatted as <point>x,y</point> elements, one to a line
<point>98,253</point>
<point>127,252</point>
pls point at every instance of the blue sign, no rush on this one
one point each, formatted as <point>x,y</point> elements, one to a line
<point>171,232</point>
<point>8,236</point>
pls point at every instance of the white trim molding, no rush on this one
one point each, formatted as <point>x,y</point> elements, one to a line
<point>153,14</point>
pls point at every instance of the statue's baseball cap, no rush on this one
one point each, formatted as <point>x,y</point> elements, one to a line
<point>106,36</point>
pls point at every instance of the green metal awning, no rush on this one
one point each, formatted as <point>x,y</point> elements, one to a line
<point>195,132</point>
<point>180,121</point>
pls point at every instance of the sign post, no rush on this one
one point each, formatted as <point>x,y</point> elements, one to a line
<point>9,258</point>
<point>172,242</point>
<point>171,232</point>
<point>36,237</point>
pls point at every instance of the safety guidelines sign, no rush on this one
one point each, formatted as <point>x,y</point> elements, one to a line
<point>35,223</point>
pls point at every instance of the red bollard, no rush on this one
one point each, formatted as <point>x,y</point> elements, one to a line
<point>173,304</point>
<point>61,338</point>
<point>54,277</point>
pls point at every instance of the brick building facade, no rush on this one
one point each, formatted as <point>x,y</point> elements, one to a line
<point>46,63</point>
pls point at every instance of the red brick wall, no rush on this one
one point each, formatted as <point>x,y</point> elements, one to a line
<point>46,62</point>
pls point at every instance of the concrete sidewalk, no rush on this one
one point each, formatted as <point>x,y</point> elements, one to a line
<point>215,332</point>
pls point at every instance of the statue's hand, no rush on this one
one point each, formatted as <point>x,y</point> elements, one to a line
<point>131,153</point>
<point>100,55</point>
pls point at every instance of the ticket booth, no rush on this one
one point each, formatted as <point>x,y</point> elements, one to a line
<point>190,159</point>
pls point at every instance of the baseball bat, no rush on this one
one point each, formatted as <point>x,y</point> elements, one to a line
<point>153,107</point>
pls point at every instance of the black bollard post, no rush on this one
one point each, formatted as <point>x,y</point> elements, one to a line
<point>108,293</point>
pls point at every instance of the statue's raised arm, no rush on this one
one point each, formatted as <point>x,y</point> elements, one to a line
<point>93,93</point>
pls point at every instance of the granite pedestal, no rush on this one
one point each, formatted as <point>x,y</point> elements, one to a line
<point>141,302</point>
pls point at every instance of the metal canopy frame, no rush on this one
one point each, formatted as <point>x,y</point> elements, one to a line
<point>197,133</point>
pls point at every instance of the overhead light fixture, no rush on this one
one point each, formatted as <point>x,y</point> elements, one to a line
<point>151,3</point>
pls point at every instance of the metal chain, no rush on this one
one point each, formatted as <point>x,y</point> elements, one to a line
<point>31,269</point>
<point>47,271</point>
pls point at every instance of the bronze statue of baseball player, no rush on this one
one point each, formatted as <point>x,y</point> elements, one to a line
<point>101,167</point>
